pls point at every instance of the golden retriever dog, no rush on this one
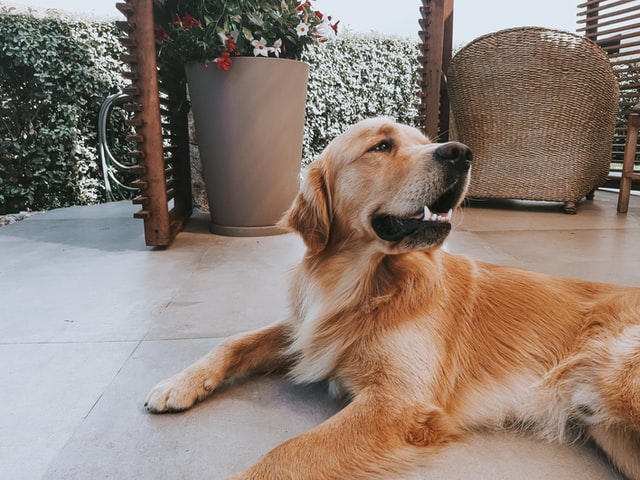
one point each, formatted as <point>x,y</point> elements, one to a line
<point>428,346</point>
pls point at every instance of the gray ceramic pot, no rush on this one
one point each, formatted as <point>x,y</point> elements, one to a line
<point>249,124</point>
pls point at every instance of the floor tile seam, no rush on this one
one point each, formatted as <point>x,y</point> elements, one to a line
<point>75,342</point>
<point>547,230</point>
<point>85,416</point>
<point>115,375</point>
<point>178,288</point>
<point>179,339</point>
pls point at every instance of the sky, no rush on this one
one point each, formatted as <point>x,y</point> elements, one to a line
<point>472,18</point>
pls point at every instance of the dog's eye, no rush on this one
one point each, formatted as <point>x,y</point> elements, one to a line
<point>383,146</point>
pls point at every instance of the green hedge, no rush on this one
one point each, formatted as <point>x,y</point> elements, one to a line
<point>356,77</point>
<point>54,75</point>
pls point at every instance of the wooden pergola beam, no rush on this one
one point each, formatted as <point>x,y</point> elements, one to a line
<point>161,133</point>
<point>436,35</point>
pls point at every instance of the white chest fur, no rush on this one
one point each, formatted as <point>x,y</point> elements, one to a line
<point>315,362</point>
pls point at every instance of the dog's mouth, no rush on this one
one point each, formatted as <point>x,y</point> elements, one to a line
<point>435,218</point>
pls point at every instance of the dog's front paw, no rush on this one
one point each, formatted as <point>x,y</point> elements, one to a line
<point>177,393</point>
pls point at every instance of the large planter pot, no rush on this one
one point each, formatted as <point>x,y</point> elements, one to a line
<point>249,124</point>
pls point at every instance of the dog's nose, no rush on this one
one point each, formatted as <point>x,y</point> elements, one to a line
<point>456,153</point>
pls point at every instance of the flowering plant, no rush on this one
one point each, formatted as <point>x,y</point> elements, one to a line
<point>218,30</point>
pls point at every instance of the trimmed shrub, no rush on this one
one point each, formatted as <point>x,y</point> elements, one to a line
<point>54,75</point>
<point>355,77</point>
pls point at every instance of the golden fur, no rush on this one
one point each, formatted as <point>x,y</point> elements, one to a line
<point>427,345</point>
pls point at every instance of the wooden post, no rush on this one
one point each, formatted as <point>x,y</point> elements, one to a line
<point>628,175</point>
<point>592,21</point>
<point>163,168</point>
<point>436,35</point>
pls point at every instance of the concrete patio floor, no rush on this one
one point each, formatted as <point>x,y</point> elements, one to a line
<point>91,319</point>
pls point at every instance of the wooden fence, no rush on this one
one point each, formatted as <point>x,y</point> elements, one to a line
<point>615,26</point>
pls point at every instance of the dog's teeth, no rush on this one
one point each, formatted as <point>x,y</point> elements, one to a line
<point>434,217</point>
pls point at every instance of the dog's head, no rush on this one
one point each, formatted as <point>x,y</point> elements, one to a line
<point>381,184</point>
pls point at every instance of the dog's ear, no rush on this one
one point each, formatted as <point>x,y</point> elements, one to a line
<point>310,214</point>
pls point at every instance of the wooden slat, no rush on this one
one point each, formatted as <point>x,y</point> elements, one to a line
<point>128,42</point>
<point>589,2</point>
<point>134,122</point>
<point>610,22</point>
<point>131,75</point>
<point>618,38</point>
<point>126,27</point>
<point>624,57</point>
<point>614,26</point>
<point>138,170</point>
<point>138,154</point>
<point>600,5</point>
<point>142,215</point>
<point>628,70</point>
<point>132,107</point>
<point>128,58</point>
<point>132,91</point>
<point>126,8</point>
<point>633,28</point>
<point>140,184</point>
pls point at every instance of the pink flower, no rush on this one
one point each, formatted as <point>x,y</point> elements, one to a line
<point>161,35</point>
<point>334,26</point>
<point>231,45</point>
<point>224,61</point>
<point>186,22</point>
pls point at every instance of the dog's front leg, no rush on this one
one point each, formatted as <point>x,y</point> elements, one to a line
<point>371,438</point>
<point>261,350</point>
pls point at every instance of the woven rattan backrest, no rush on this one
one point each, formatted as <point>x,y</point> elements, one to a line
<point>537,107</point>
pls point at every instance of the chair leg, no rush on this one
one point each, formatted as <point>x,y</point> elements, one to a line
<point>628,162</point>
<point>625,192</point>
<point>570,208</point>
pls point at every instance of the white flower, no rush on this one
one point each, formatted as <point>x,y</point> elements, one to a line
<point>302,29</point>
<point>260,47</point>
<point>325,30</point>
<point>276,48</point>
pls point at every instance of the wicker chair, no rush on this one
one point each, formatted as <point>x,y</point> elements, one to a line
<point>538,109</point>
